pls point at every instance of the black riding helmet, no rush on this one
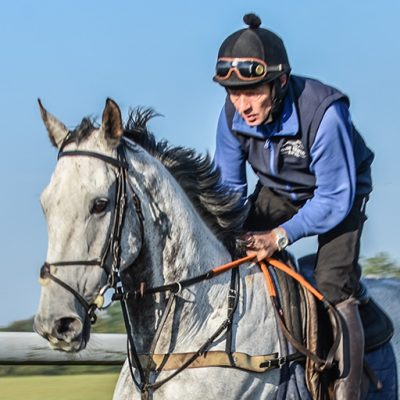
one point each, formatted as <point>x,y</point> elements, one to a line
<point>254,56</point>
<point>251,56</point>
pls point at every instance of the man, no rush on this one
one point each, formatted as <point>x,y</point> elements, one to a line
<point>313,169</point>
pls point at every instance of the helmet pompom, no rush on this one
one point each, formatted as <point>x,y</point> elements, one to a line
<point>252,20</point>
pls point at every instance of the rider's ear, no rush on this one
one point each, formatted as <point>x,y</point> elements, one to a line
<point>112,123</point>
<point>56,129</point>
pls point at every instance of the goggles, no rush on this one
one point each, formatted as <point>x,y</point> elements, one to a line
<point>247,69</point>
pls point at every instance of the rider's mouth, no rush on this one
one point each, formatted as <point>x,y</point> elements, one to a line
<point>251,118</point>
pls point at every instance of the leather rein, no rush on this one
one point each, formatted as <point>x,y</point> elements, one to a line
<point>145,364</point>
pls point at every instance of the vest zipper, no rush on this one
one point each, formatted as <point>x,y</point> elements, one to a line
<point>270,147</point>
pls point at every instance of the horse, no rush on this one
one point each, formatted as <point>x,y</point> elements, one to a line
<point>151,221</point>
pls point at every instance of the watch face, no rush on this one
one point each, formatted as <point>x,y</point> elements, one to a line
<point>282,242</point>
<point>281,239</point>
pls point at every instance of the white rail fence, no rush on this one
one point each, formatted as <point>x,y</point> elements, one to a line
<point>27,348</point>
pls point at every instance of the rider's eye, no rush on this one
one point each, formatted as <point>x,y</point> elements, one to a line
<point>98,206</point>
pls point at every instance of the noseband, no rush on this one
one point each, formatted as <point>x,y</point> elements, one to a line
<point>113,244</point>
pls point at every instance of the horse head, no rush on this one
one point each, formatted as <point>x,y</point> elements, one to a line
<point>80,206</point>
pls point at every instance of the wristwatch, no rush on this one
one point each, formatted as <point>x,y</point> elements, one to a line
<point>281,238</point>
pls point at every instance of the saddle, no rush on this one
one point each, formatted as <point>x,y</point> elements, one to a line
<point>308,322</point>
<point>378,327</point>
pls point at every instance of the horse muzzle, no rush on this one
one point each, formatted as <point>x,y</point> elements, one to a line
<point>69,334</point>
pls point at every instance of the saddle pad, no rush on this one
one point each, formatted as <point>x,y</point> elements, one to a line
<point>378,327</point>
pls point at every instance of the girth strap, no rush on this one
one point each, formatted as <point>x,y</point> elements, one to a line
<point>257,363</point>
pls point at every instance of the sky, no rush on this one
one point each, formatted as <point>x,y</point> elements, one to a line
<point>75,54</point>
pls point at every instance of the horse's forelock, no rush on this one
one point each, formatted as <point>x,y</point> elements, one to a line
<point>83,130</point>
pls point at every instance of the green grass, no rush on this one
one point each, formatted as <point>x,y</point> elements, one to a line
<point>67,387</point>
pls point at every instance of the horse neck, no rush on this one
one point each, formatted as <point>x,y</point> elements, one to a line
<point>177,244</point>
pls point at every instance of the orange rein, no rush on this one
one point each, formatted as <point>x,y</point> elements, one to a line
<point>233,264</point>
<point>285,268</point>
<point>275,263</point>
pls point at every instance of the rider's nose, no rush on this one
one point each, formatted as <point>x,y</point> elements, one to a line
<point>243,104</point>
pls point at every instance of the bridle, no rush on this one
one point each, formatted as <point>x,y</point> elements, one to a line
<point>112,248</point>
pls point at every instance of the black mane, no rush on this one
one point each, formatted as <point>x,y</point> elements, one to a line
<point>219,208</point>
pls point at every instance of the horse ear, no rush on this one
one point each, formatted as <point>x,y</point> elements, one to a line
<point>112,123</point>
<point>56,129</point>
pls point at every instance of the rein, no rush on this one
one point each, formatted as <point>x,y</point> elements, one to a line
<point>202,357</point>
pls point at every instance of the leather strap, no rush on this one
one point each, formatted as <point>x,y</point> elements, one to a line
<point>257,363</point>
<point>110,160</point>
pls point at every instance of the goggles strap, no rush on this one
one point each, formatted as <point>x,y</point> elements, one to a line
<point>278,94</point>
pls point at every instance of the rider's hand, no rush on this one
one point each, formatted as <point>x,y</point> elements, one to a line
<point>261,244</point>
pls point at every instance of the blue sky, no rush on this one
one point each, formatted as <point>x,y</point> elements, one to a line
<point>73,55</point>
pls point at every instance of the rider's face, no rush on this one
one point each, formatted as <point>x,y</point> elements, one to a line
<point>253,105</point>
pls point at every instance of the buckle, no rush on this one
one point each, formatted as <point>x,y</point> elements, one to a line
<point>274,363</point>
<point>266,364</point>
<point>282,361</point>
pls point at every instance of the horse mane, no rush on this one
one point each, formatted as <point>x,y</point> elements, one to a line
<point>219,208</point>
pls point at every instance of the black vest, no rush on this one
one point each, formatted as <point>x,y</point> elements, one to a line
<point>283,162</point>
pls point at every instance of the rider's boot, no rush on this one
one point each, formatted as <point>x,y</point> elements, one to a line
<point>350,354</point>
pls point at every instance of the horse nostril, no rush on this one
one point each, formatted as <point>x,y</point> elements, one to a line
<point>67,327</point>
<point>64,324</point>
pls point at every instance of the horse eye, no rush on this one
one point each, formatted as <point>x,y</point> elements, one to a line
<point>98,206</point>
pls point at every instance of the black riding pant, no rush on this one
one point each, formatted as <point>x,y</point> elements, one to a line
<point>337,272</point>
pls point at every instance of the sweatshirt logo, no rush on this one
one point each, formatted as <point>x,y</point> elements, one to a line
<point>293,148</point>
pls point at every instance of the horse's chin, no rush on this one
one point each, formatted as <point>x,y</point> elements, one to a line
<point>74,346</point>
